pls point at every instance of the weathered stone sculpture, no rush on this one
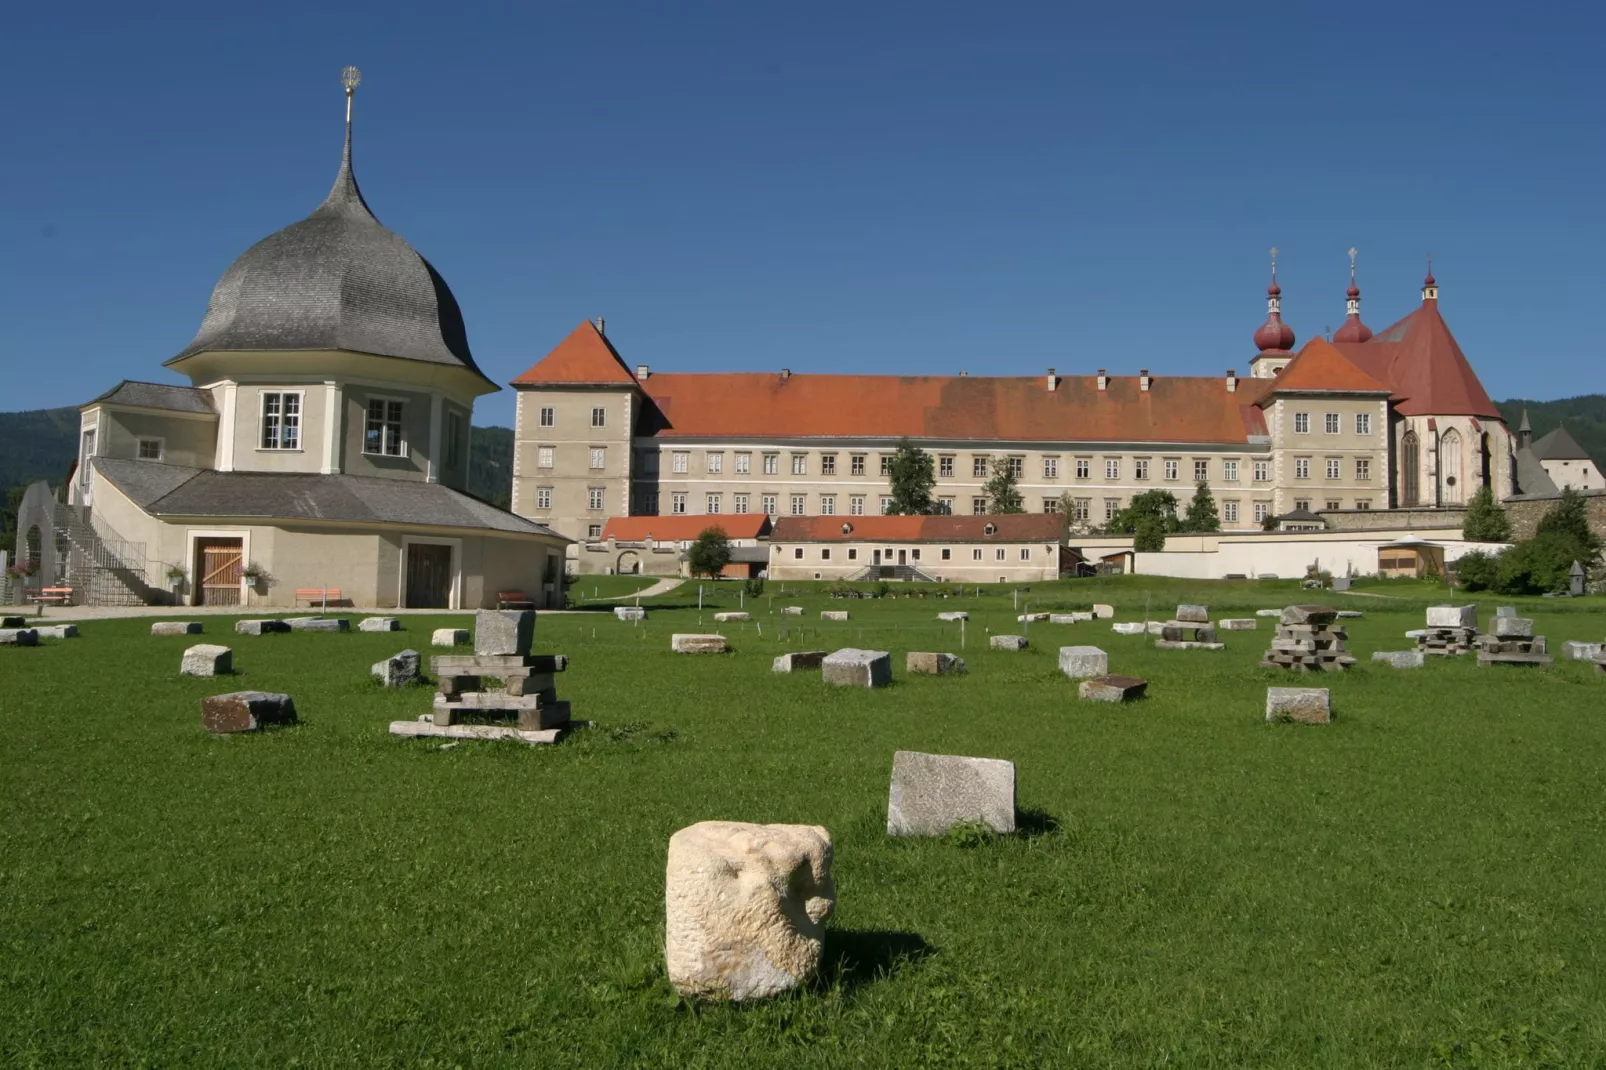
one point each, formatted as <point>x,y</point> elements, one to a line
<point>207,659</point>
<point>745,908</point>
<point>931,793</point>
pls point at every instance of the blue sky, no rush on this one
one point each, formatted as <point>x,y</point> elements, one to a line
<point>897,187</point>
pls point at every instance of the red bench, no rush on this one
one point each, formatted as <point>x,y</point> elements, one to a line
<point>52,596</point>
<point>323,595</point>
<point>514,600</point>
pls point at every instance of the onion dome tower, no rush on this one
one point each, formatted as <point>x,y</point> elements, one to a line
<point>1353,330</point>
<point>1430,285</point>
<point>336,280</point>
<point>1274,339</point>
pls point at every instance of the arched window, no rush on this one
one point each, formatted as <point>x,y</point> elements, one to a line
<point>1450,467</point>
<point>1410,469</point>
<point>1485,460</point>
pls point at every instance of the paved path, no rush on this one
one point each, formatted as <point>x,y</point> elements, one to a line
<point>663,586</point>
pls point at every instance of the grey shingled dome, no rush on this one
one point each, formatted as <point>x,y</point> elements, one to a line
<point>335,280</point>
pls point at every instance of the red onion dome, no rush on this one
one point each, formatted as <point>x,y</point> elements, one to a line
<point>1353,330</point>
<point>1274,334</point>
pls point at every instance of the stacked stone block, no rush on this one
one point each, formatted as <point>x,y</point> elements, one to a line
<point>1309,641</point>
<point>1451,630</point>
<point>1189,630</point>
<point>502,641</point>
<point>1511,641</point>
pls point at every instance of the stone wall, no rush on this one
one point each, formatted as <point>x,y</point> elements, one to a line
<point>1525,512</point>
<point>1392,519</point>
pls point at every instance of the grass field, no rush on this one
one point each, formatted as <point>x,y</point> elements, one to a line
<point>1421,883</point>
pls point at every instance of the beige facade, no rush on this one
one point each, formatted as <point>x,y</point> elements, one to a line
<point>572,458</point>
<point>1013,561</point>
<point>1330,453</point>
<point>1443,460</point>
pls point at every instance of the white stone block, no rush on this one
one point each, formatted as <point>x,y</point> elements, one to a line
<point>1307,705</point>
<point>956,615</point>
<point>931,793</point>
<point>207,659</point>
<point>57,631</point>
<point>726,618</point>
<point>1268,613</point>
<point>1452,616</point>
<point>1401,659</point>
<point>928,663</point>
<point>1008,642</point>
<point>799,661</point>
<point>745,908</point>
<point>1573,650</point>
<point>176,627</point>
<point>833,614</point>
<point>1132,627</point>
<point>19,637</point>
<point>1512,627</point>
<point>1103,612</point>
<point>688,643</point>
<point>449,637</point>
<point>857,668</point>
<point>1238,624</point>
<point>630,613</point>
<point>379,624</point>
<point>791,611</point>
<point>1079,662</point>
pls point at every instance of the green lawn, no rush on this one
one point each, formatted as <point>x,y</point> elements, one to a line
<point>1421,883</point>
<point>584,589</point>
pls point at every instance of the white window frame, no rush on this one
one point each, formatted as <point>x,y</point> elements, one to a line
<point>1201,470</point>
<point>771,504</point>
<point>1084,468</point>
<point>739,502</point>
<point>597,495</point>
<point>1301,423</point>
<point>1172,467</point>
<point>1229,512</point>
<point>856,505</point>
<point>1140,469</point>
<point>301,414</point>
<point>800,464</point>
<point>677,503</point>
<point>1262,472</point>
<point>1112,468</point>
<point>772,464</point>
<point>599,416</point>
<point>978,466</point>
<point>1301,467</point>
<point>945,466</point>
<point>161,447</point>
<point>828,505</point>
<point>1363,469</point>
<point>886,505</point>
<point>1332,423</point>
<point>599,458</point>
<point>1335,468</point>
<point>546,456</point>
<point>1363,423</point>
<point>543,499</point>
<point>549,416</point>
<point>679,462</point>
<point>744,463</point>
<point>800,504</point>
<point>1229,471</point>
<point>1051,467</point>
<point>401,426</point>
<point>827,464</point>
<point>714,461</point>
<point>713,503</point>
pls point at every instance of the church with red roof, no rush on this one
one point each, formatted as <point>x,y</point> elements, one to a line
<point>1388,420</point>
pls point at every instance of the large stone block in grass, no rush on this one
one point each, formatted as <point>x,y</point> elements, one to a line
<point>379,624</point>
<point>1401,659</point>
<point>207,659</point>
<point>929,663</point>
<point>1575,650</point>
<point>745,908</point>
<point>1193,614</point>
<point>630,613</point>
<point>1131,627</point>
<point>398,670</point>
<point>931,793</point>
<point>19,637</point>
<point>1268,613</point>
<point>318,624</point>
<point>1309,615</point>
<point>686,643</point>
<point>799,661</point>
<point>1238,624</point>
<point>57,631</point>
<point>259,627</point>
<point>731,617</point>
<point>449,637</point>
<point>503,631</point>
<point>1008,642</point>
<point>176,627</point>
<point>852,667</point>
<point>1452,617</point>
<point>1112,688</point>
<point>833,614</point>
<point>1103,612</point>
<point>246,711</point>
<point>1079,662</point>
<point>1306,705</point>
<point>953,616</point>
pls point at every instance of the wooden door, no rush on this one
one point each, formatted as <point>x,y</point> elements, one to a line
<point>429,576</point>
<point>217,569</point>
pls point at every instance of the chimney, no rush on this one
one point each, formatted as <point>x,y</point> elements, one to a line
<point>1053,380</point>
<point>1143,379</point>
<point>602,326</point>
<point>642,372</point>
<point>1232,380</point>
<point>786,373</point>
<point>1104,379</point>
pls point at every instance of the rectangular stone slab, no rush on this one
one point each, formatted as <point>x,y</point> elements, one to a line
<point>1574,650</point>
<point>954,615</point>
<point>379,624</point>
<point>833,614</point>
<point>791,611</point>
<point>1238,624</point>
<point>726,618</point>
<point>1452,617</point>
<point>927,663</point>
<point>246,711</point>
<point>1170,644</point>
<point>1136,627</point>
<point>1112,688</point>
<point>398,670</point>
<point>475,731</point>
<point>497,665</point>
<point>685,643</point>
<point>853,667</point>
<point>176,627</point>
<point>260,627</point>
<point>1193,614</point>
<point>1008,642</point>
<point>57,631</point>
<point>1401,659</point>
<point>1102,611</point>
<point>1512,627</point>
<point>1305,705</point>
<point>931,793</point>
<point>799,661</point>
<point>318,624</point>
<point>19,637</point>
<point>1079,662</point>
<point>630,612</point>
<point>1309,615</point>
<point>1268,612</point>
<point>504,631</point>
<point>449,637</point>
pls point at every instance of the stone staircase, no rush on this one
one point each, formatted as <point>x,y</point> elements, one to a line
<point>102,568</point>
<point>906,573</point>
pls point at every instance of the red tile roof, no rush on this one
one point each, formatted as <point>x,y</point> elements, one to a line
<point>680,527</point>
<point>978,408</point>
<point>585,358</point>
<point>1419,358</point>
<point>1008,527</point>
<point>1320,367</point>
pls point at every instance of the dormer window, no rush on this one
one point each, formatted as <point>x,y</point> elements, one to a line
<point>281,420</point>
<point>383,436</point>
<point>990,529</point>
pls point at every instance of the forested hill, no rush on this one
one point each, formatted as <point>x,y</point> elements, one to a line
<point>1584,416</point>
<point>37,445</point>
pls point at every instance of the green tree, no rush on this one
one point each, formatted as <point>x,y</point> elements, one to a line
<point>1159,506</point>
<point>1486,521</point>
<point>912,478</point>
<point>1569,519</point>
<point>1003,494</point>
<point>1537,565</point>
<point>1149,536</point>
<point>710,554</point>
<point>1202,515</point>
<point>1477,570</point>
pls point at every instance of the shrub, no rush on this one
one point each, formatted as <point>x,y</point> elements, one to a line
<point>754,587</point>
<point>1486,521</point>
<point>1538,565</point>
<point>1476,571</point>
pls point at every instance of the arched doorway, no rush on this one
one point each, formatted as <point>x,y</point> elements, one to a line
<point>1410,469</point>
<point>1450,467</point>
<point>628,564</point>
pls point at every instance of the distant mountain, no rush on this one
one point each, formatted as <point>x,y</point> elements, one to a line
<point>490,465</point>
<point>1584,416</point>
<point>37,445</point>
